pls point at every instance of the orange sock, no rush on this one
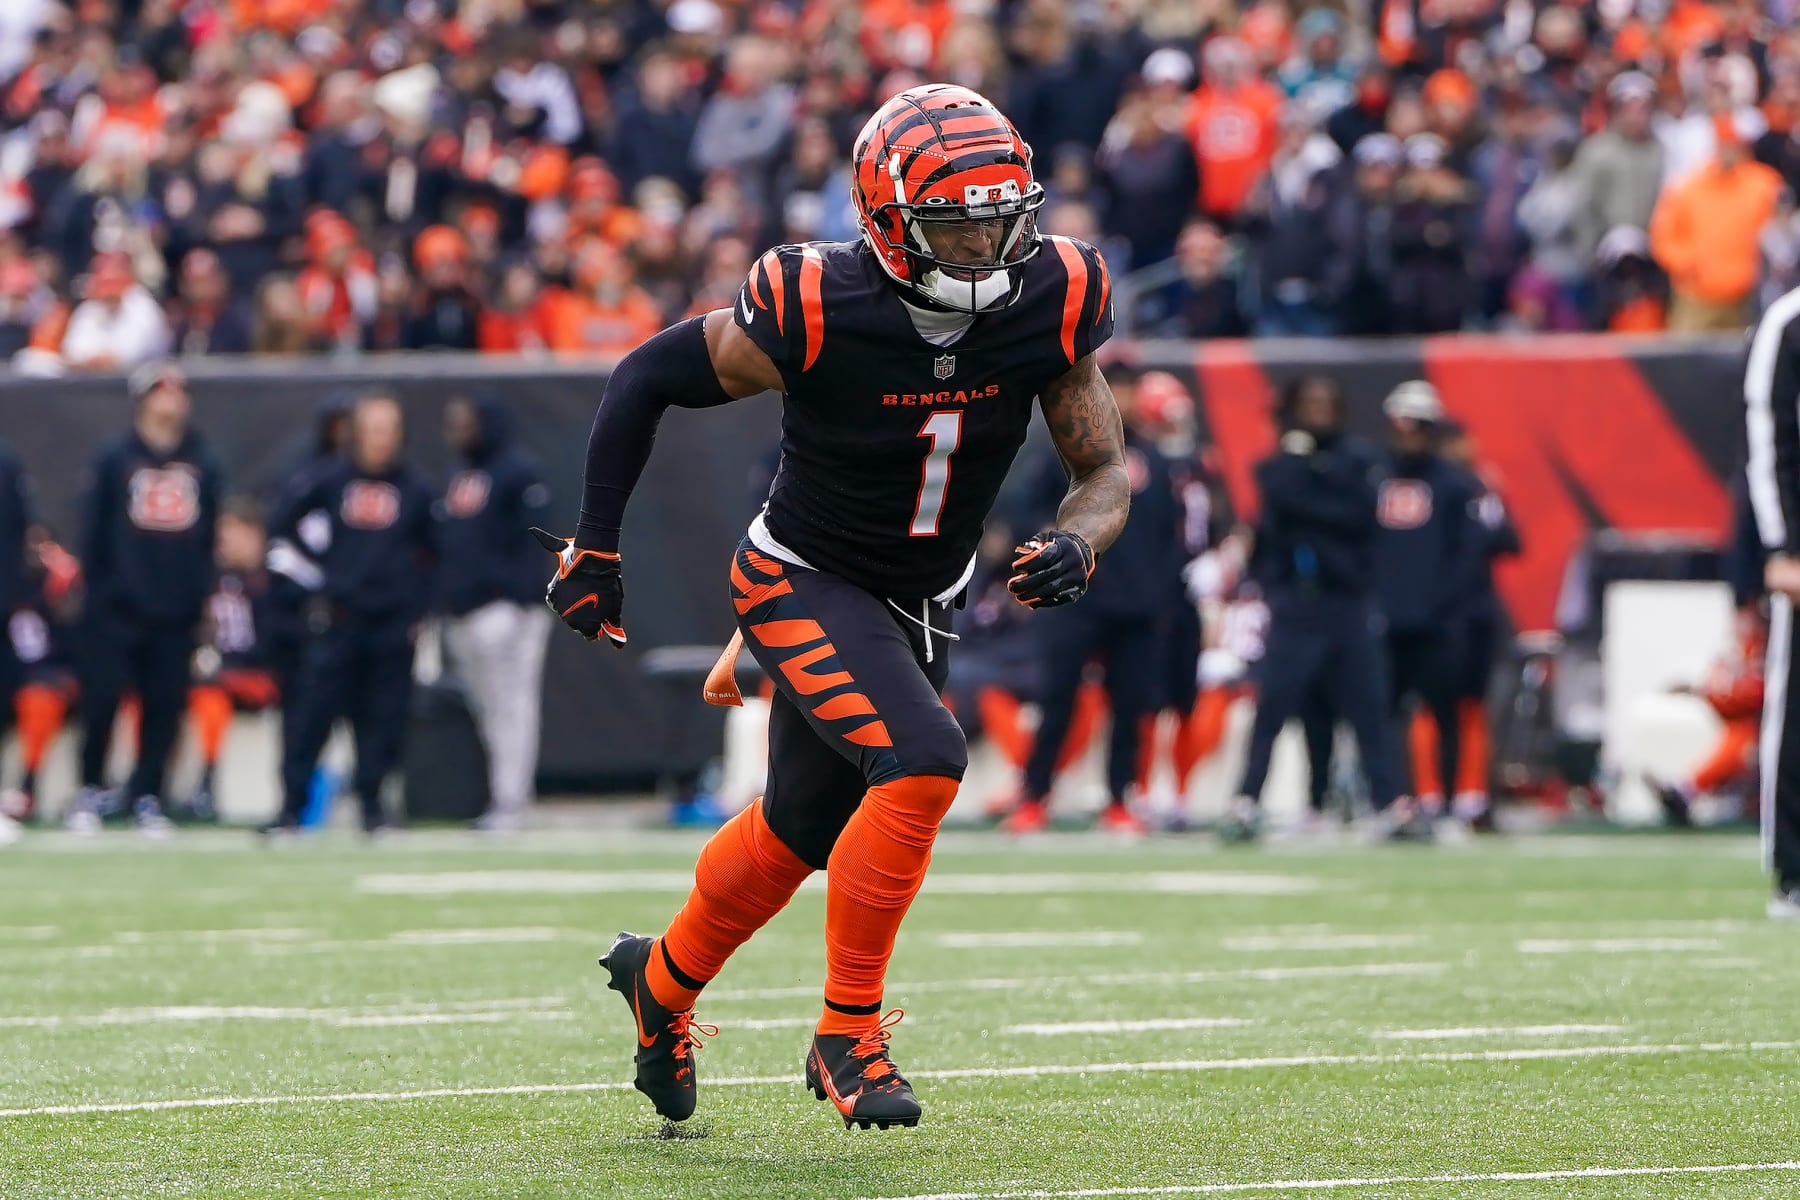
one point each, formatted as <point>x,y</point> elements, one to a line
<point>1203,730</point>
<point>209,708</point>
<point>40,711</point>
<point>744,876</point>
<point>1472,767</point>
<point>1422,734</point>
<point>131,715</point>
<point>1734,751</point>
<point>999,710</point>
<point>1187,750</point>
<point>875,871</point>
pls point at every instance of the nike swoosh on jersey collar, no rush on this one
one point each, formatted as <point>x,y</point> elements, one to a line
<point>744,306</point>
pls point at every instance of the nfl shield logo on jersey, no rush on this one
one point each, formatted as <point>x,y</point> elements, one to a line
<point>944,366</point>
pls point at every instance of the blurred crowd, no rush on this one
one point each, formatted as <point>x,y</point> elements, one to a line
<point>347,176</point>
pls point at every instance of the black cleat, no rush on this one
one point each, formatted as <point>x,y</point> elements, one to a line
<point>1242,823</point>
<point>666,1040</point>
<point>1677,812</point>
<point>857,1075</point>
<point>1406,821</point>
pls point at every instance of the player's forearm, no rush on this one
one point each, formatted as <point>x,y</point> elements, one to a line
<point>672,369</point>
<point>1096,505</point>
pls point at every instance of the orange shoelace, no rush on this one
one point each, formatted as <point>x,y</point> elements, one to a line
<point>688,1033</point>
<point>873,1046</point>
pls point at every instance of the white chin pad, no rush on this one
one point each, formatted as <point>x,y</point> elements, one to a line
<point>970,295</point>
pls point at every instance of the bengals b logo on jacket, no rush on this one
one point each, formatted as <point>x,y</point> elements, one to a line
<point>369,504</point>
<point>1404,504</point>
<point>467,494</point>
<point>164,499</point>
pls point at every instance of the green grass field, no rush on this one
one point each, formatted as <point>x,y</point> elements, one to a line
<point>1555,1017</point>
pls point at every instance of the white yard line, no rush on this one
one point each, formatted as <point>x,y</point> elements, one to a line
<point>1055,983</point>
<point>527,882</point>
<point>453,1012</point>
<point>1327,1185</point>
<point>28,933</point>
<point>1039,939</point>
<point>1616,945</point>
<point>1481,1031</point>
<point>1322,941</point>
<point>479,937</point>
<point>138,937</point>
<point>494,1017</point>
<point>1021,1072</point>
<point>1147,1026</point>
<point>732,1024</point>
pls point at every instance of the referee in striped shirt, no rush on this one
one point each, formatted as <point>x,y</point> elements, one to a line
<point>1772,423</point>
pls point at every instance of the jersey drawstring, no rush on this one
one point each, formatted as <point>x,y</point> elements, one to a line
<point>923,621</point>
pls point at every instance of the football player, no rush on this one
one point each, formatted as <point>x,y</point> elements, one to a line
<point>910,362</point>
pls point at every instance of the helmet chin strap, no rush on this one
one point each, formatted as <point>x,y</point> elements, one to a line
<point>982,293</point>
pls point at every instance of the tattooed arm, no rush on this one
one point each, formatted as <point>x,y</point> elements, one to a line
<point>1084,423</point>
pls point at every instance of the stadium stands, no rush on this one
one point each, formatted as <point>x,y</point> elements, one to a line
<point>507,175</point>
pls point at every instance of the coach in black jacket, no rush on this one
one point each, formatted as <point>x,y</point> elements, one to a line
<point>147,557</point>
<point>1122,622</point>
<point>1429,562</point>
<point>1315,560</point>
<point>488,585</point>
<point>375,586</point>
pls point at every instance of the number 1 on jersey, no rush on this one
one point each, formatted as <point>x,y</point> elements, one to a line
<point>945,431</point>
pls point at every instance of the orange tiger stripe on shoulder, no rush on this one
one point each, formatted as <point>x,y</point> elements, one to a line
<point>770,266</point>
<point>1073,299</point>
<point>812,303</point>
<point>1105,286</point>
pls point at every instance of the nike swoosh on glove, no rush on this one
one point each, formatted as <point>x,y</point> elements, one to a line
<point>588,589</point>
<point>1051,569</point>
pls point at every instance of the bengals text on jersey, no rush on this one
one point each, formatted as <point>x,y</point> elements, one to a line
<point>892,448</point>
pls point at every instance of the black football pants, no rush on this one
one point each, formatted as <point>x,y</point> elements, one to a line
<point>1329,645</point>
<point>147,656</point>
<point>1126,648</point>
<point>1427,666</point>
<point>858,685</point>
<point>359,668</point>
<point>1780,749</point>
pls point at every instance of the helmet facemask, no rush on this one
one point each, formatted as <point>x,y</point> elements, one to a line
<point>962,254</point>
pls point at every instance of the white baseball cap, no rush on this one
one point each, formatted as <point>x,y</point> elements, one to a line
<point>1414,400</point>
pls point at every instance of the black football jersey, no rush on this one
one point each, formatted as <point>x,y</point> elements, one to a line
<point>893,449</point>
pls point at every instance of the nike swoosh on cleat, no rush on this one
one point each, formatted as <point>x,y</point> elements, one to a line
<point>645,1040</point>
<point>845,1104</point>
<point>744,307</point>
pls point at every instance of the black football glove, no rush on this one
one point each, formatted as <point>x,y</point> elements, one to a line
<point>1051,569</point>
<point>588,589</point>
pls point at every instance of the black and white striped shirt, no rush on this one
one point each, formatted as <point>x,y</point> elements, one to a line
<point>1772,425</point>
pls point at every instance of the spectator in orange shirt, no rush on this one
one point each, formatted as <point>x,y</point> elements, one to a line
<point>594,208</point>
<point>443,311</point>
<point>1232,128</point>
<point>337,286</point>
<point>521,317</point>
<point>607,313</point>
<point>1631,294</point>
<point>1706,234</point>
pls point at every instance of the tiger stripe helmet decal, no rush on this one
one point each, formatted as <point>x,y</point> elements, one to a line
<point>945,153</point>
